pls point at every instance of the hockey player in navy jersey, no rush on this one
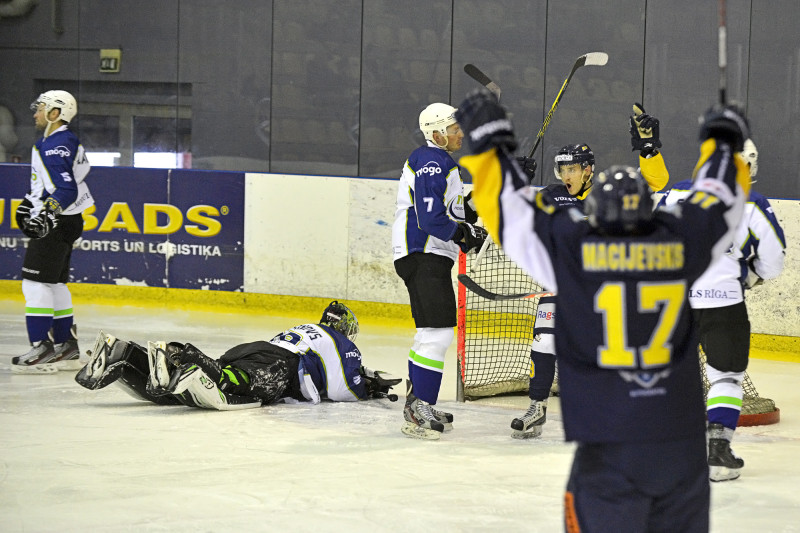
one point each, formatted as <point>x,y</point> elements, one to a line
<point>430,226</point>
<point>309,362</point>
<point>631,393</point>
<point>50,215</point>
<point>757,254</point>
<point>574,168</point>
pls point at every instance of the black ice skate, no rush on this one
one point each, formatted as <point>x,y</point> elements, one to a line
<point>39,360</point>
<point>67,354</point>
<point>420,423</point>
<point>530,424</point>
<point>723,464</point>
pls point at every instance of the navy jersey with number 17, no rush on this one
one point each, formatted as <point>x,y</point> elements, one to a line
<point>629,342</point>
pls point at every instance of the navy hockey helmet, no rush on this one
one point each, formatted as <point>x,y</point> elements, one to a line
<point>341,318</point>
<point>573,154</point>
<point>726,123</point>
<point>620,201</point>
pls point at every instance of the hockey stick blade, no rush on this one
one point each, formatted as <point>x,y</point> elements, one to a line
<point>592,59</point>
<point>597,59</point>
<point>477,74</point>
<point>469,283</point>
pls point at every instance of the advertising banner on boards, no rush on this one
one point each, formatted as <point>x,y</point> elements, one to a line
<point>149,227</point>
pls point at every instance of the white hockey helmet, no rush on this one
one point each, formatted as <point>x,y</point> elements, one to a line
<point>436,117</point>
<point>58,100</point>
<point>750,155</point>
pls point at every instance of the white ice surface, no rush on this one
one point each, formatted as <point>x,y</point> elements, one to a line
<point>80,460</point>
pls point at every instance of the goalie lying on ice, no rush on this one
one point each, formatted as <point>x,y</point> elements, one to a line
<point>309,362</point>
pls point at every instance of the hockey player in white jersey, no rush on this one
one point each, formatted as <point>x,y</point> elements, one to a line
<point>430,226</point>
<point>309,362</point>
<point>717,297</point>
<point>50,215</point>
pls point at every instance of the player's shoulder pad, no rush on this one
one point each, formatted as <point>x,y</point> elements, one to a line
<point>544,201</point>
<point>430,153</point>
<point>62,144</point>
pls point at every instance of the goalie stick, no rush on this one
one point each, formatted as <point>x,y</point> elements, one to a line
<point>489,295</point>
<point>597,59</point>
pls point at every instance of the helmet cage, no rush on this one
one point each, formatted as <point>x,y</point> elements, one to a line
<point>339,317</point>
<point>750,156</point>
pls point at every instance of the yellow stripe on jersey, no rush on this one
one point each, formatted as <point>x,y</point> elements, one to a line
<point>487,182</point>
<point>654,171</point>
<point>708,147</point>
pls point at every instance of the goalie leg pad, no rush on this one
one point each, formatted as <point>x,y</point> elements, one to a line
<point>158,377</point>
<point>191,380</point>
<point>212,367</point>
<point>106,362</point>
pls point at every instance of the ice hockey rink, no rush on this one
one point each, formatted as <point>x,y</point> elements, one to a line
<point>80,460</point>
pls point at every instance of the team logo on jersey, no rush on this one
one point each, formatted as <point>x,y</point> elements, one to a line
<point>431,168</point>
<point>646,380</point>
<point>62,151</point>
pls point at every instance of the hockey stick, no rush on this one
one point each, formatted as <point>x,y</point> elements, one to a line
<point>597,59</point>
<point>479,256</point>
<point>476,74</point>
<point>489,295</point>
<point>722,53</point>
<point>379,395</point>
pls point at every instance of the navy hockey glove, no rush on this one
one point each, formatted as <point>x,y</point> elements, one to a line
<point>485,123</point>
<point>469,237</point>
<point>377,386</point>
<point>725,124</point>
<point>752,280</point>
<point>528,166</point>
<point>644,132</point>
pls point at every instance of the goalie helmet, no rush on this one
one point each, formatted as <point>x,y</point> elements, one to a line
<point>573,154</point>
<point>57,100</point>
<point>339,317</point>
<point>750,155</point>
<point>620,202</point>
<point>436,117</point>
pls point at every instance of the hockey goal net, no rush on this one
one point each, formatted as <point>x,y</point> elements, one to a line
<point>494,337</point>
